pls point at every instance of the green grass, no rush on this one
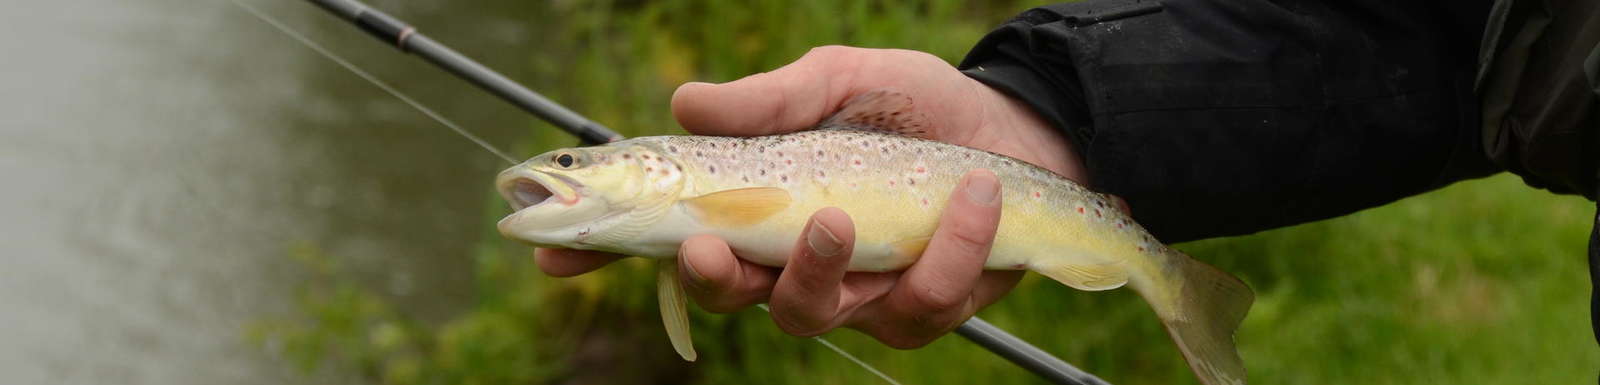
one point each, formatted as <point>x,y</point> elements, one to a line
<point>1483,282</point>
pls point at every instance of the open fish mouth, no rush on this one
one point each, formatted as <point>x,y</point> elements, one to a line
<point>524,188</point>
<point>527,192</point>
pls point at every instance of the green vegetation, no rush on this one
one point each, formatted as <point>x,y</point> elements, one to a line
<point>1483,282</point>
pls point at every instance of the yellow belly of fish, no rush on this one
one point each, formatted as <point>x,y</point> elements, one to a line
<point>891,233</point>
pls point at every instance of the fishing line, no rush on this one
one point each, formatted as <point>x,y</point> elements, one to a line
<point>479,141</point>
<point>846,355</point>
<point>385,86</point>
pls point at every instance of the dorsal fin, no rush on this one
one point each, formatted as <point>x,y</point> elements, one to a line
<point>880,110</point>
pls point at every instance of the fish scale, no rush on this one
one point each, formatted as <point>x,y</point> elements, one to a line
<point>908,179</point>
<point>645,196</point>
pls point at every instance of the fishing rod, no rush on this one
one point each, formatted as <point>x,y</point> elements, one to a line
<point>404,37</point>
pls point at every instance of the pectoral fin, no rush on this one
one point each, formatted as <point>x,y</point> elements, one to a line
<point>674,308</point>
<point>739,207</point>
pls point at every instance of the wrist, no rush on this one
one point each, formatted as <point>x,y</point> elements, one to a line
<point>1020,132</point>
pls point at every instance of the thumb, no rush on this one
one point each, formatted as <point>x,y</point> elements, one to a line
<point>790,98</point>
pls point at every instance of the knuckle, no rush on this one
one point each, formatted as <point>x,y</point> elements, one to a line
<point>903,341</point>
<point>829,51</point>
<point>798,326</point>
<point>934,300</point>
<point>719,307</point>
<point>919,55</point>
<point>720,301</point>
<point>970,238</point>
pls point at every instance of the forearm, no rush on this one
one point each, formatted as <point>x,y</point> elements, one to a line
<point>1226,118</point>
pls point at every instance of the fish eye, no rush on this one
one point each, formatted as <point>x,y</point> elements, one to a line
<point>566,160</point>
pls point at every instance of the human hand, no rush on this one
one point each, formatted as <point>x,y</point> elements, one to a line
<point>814,294</point>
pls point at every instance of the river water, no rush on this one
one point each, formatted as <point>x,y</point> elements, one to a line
<point>160,158</point>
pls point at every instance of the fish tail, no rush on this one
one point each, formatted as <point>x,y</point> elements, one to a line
<point>1201,307</point>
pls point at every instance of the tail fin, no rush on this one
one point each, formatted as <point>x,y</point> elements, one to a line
<point>1201,307</point>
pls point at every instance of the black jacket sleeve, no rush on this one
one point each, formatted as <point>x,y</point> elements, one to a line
<point>1227,117</point>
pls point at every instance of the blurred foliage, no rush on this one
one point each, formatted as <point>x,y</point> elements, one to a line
<point>1482,282</point>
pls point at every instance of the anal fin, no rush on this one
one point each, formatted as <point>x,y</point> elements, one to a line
<point>1085,277</point>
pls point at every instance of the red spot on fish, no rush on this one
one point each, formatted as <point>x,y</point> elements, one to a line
<point>924,201</point>
<point>649,169</point>
<point>1141,249</point>
<point>665,172</point>
<point>788,161</point>
<point>921,170</point>
<point>1080,210</point>
<point>1036,194</point>
<point>858,162</point>
<point>891,183</point>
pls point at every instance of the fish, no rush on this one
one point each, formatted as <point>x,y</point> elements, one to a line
<point>645,196</point>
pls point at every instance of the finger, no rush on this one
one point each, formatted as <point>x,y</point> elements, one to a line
<point>889,327</point>
<point>805,301</point>
<point>569,262</point>
<point>936,293</point>
<point>1122,204</point>
<point>993,285</point>
<point>790,98</point>
<point>719,281</point>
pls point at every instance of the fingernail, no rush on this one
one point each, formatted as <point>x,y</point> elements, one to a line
<point>695,279</point>
<point>984,190</point>
<point>822,241</point>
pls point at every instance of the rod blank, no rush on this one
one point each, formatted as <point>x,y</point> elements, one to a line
<point>400,35</point>
<point>1024,354</point>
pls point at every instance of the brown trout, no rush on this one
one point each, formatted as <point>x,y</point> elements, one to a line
<point>645,196</point>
